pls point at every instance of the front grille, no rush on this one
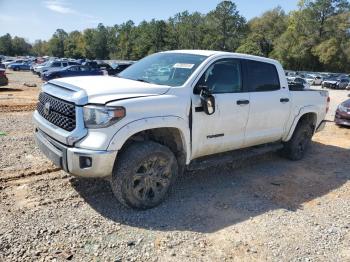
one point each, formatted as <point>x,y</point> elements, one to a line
<point>57,111</point>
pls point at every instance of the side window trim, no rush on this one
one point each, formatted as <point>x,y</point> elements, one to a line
<point>239,60</point>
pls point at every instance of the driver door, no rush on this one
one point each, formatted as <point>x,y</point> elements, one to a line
<point>225,129</point>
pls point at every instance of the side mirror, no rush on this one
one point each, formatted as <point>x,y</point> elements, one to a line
<point>208,101</point>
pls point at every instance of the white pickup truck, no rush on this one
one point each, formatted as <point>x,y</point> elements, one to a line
<point>173,111</point>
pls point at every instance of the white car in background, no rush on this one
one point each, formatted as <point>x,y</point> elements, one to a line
<point>309,79</point>
<point>313,80</point>
<point>317,81</point>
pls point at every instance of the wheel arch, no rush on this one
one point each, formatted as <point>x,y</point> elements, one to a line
<point>170,131</point>
<point>305,115</point>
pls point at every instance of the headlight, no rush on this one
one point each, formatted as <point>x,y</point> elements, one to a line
<point>102,116</point>
<point>342,108</point>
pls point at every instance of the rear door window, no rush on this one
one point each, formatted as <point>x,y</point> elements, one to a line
<point>260,76</point>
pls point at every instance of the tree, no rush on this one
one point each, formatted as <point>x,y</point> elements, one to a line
<point>316,36</point>
<point>226,27</point>
<point>6,45</point>
<point>20,46</point>
<point>56,43</point>
<point>263,32</point>
<point>100,42</point>
<point>40,48</point>
<point>322,10</point>
<point>74,45</point>
<point>126,40</point>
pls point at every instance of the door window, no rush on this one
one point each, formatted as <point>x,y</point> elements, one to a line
<point>260,76</point>
<point>224,76</point>
<point>85,68</point>
<point>74,68</point>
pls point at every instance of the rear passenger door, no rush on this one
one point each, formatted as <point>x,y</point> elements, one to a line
<point>269,103</point>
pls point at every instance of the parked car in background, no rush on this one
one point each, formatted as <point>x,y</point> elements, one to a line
<point>336,83</point>
<point>121,66</point>
<point>37,66</point>
<point>70,71</point>
<point>2,66</point>
<point>3,78</point>
<point>342,83</point>
<point>20,66</point>
<point>317,81</point>
<point>310,79</point>
<point>106,68</point>
<point>297,83</point>
<point>330,82</point>
<point>56,64</point>
<point>90,63</point>
<point>8,61</point>
<point>342,114</point>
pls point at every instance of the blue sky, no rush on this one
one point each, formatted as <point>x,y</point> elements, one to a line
<point>38,19</point>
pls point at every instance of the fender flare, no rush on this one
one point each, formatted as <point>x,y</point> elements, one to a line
<point>134,127</point>
<point>304,110</point>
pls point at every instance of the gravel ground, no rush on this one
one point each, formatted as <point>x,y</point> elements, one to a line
<point>268,209</point>
<point>16,96</point>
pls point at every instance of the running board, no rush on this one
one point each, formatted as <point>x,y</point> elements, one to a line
<point>232,156</point>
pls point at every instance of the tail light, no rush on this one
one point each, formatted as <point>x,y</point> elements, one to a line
<point>328,101</point>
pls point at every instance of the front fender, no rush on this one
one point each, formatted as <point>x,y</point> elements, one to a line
<point>132,128</point>
<point>302,111</point>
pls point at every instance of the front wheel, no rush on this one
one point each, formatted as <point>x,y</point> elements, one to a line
<point>143,174</point>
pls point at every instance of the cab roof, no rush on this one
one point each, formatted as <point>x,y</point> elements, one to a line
<point>212,53</point>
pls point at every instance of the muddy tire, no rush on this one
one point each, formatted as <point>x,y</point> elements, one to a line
<point>144,174</point>
<point>300,142</point>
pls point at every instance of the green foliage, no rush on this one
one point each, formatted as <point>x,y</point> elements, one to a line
<point>316,36</point>
<point>226,27</point>
<point>74,45</point>
<point>56,43</point>
<point>6,44</point>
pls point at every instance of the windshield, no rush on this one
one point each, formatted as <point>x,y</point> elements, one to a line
<point>172,69</point>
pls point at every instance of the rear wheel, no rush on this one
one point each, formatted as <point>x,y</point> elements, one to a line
<point>144,174</point>
<point>296,147</point>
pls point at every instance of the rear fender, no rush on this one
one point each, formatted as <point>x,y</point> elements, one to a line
<point>302,111</point>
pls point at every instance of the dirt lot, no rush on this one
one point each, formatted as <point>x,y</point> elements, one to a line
<point>268,209</point>
<point>16,96</point>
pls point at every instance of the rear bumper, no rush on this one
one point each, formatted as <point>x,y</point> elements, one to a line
<point>76,161</point>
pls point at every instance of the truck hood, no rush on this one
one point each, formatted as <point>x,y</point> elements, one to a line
<point>103,89</point>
